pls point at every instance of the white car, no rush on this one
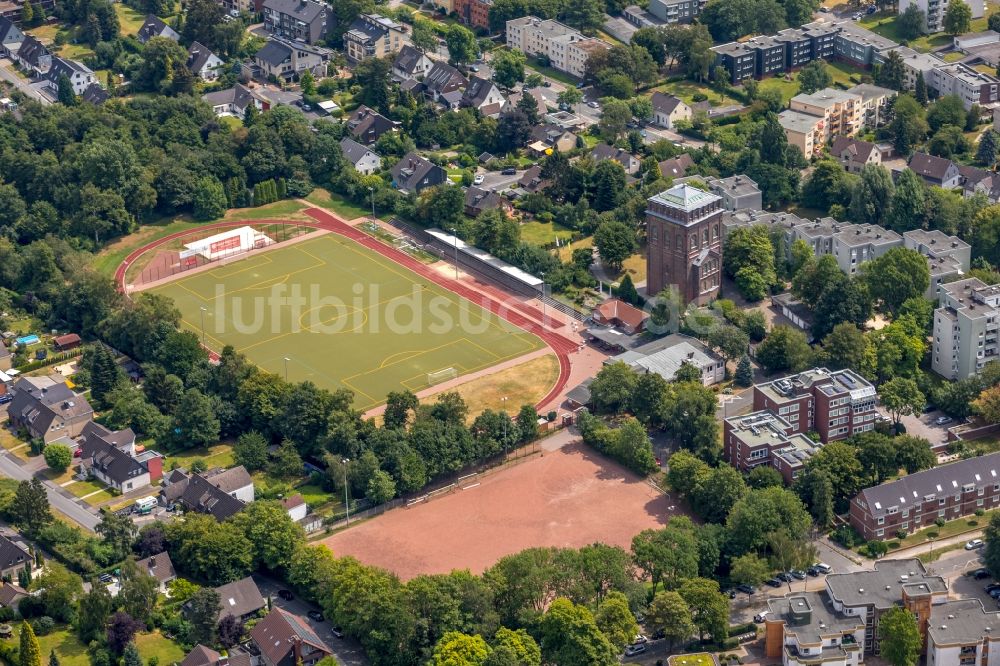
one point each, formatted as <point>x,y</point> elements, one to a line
<point>640,639</point>
<point>942,420</point>
<point>478,180</point>
<point>593,105</point>
<point>974,544</point>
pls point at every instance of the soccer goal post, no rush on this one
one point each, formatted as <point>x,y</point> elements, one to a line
<point>439,376</point>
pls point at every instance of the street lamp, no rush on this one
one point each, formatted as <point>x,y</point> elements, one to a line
<point>454,236</point>
<point>286,367</point>
<point>203,310</point>
<point>347,502</point>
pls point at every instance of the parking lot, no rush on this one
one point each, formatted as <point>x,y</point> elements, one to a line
<point>923,425</point>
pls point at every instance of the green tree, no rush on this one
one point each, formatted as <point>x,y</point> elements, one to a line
<point>93,611</point>
<point>914,453</point>
<point>607,188</point>
<point>616,621</point>
<point>613,387</point>
<point>29,509</point>
<point>920,87</point>
<point>615,242</point>
<point>892,73</point>
<point>871,198</point>
<point>901,397</point>
<point>839,461</point>
<point>461,42</point>
<point>789,551</point>
<point>763,476</point>
<point>785,348</point>
<point>308,83</point>
<point>53,658</point>
<point>911,22</point>
<point>203,613</point>
<point>709,607</point>
<point>117,533</point>
<point>847,347</point>
<point>29,654</point>
<point>668,555</point>
<point>519,644</point>
<point>271,532</point>
<point>991,553</point>
<point>898,275</point>
<point>947,110</point>
<point>508,67</point>
<point>569,635</point>
<point>669,613</point>
<point>901,642</point>
<point>381,488</point>
<point>763,512</point>
<point>907,207</point>
<point>957,18</point>
<point>716,492</point>
<point>750,249</point>
<point>615,116</point>
<point>749,569</point>
<point>209,199</point>
<point>744,372</point>
<point>250,451</point>
<point>196,422</point>
<point>65,94</point>
<point>814,76</point>
<point>58,457</point>
<point>986,153</point>
<point>458,649</point>
<point>626,291</point>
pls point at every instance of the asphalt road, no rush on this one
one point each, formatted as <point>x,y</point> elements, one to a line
<point>86,517</point>
<point>347,651</point>
<point>496,181</point>
<point>8,75</point>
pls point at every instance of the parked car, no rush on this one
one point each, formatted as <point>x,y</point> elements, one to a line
<point>823,567</point>
<point>798,575</point>
<point>760,617</point>
<point>474,68</point>
<point>509,171</point>
<point>995,593</point>
<point>871,9</point>
<point>315,615</point>
<point>991,587</point>
<point>640,639</point>
<point>942,420</point>
<point>980,574</point>
<point>785,576</point>
<point>633,650</point>
<point>730,593</point>
<point>593,105</point>
<point>974,544</point>
<point>286,595</point>
<point>337,632</point>
<point>745,589</point>
<point>774,582</point>
<point>478,180</point>
<point>813,571</point>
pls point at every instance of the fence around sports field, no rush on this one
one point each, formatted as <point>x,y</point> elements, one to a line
<point>465,479</point>
<point>165,260</point>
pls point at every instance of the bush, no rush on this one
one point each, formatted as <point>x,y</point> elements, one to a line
<point>699,97</point>
<point>980,513</point>
<point>933,534</point>
<point>738,629</point>
<point>939,522</point>
<point>846,536</point>
<point>893,545</point>
<point>901,534</point>
<point>972,523</point>
<point>43,625</point>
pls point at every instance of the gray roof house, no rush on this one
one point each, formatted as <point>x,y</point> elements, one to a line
<point>241,599</point>
<point>483,96</point>
<point>478,200</point>
<point>15,554</point>
<point>10,35</point>
<point>285,639</point>
<point>629,162</point>
<point>218,492</point>
<point>414,173</point>
<point>234,101</point>
<point>287,60</point>
<point>936,170</point>
<point>203,63</point>
<point>411,63</point>
<point>367,125</point>
<point>32,55</point>
<point>364,159</point>
<point>154,27</point>
<point>442,78</point>
<point>48,409</point>
<point>676,167</point>
<point>737,192</point>
<point>80,76</point>
<point>667,110</point>
<point>306,20</point>
<point>95,94</point>
<point>160,568</point>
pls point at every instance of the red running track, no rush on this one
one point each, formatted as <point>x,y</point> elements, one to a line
<point>498,303</point>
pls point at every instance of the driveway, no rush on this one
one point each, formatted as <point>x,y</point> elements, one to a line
<point>922,425</point>
<point>498,182</point>
<point>346,650</point>
<point>58,498</point>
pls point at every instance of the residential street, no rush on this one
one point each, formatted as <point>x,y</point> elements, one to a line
<point>60,499</point>
<point>8,75</point>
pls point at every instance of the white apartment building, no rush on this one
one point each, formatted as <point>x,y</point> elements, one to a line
<point>914,64</point>
<point>970,85</point>
<point>812,119</point>
<point>567,49</point>
<point>963,632</point>
<point>948,256</point>
<point>934,11</point>
<point>965,328</point>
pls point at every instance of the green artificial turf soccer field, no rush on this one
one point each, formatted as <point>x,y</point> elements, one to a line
<point>343,316</point>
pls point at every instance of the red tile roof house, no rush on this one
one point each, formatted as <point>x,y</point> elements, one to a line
<point>616,312</point>
<point>285,639</point>
<point>67,342</point>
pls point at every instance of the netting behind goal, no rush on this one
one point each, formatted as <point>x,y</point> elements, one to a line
<point>439,376</point>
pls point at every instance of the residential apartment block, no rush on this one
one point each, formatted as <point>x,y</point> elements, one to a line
<point>970,85</point>
<point>918,500</point>
<point>812,119</point>
<point>915,64</point>
<point>764,438</point>
<point>948,256</point>
<point>965,328</point>
<point>305,20</point>
<point>474,12</point>
<point>567,49</point>
<point>839,626</point>
<point>834,404</point>
<point>374,36</point>
<point>934,11</point>
<point>685,243</point>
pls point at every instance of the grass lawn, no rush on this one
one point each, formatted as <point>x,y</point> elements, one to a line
<point>552,73</point>
<point>788,89</point>
<point>884,23</point>
<point>46,33</point>
<point>316,497</point>
<point>81,488</point>
<point>955,56</point>
<point>10,442</point>
<point>540,233</point>
<point>286,209</point>
<point>522,384</point>
<point>76,51</point>
<point>129,19</point>
<point>68,648</point>
<point>842,72</point>
<point>950,529</point>
<point>686,90</point>
<point>338,204</point>
<point>934,555</point>
<point>232,122</point>
<point>697,659</point>
<point>218,455</point>
<point>388,328</point>
<point>155,643</point>
<point>566,251</point>
<point>51,475</point>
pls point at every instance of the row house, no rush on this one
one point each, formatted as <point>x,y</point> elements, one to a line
<point>566,48</point>
<point>915,501</point>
